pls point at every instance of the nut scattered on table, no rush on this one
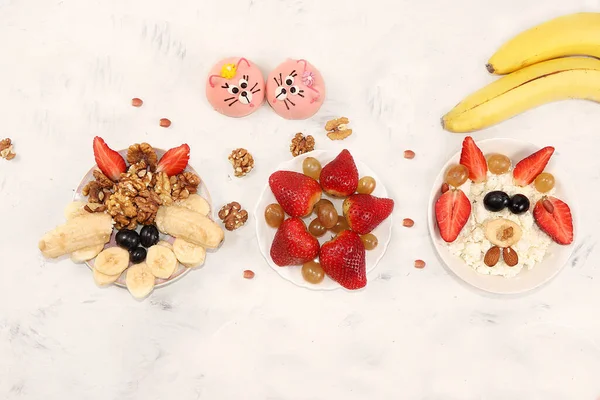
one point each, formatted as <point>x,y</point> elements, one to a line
<point>165,122</point>
<point>302,144</point>
<point>409,154</point>
<point>6,149</point>
<point>136,102</point>
<point>233,216</point>
<point>242,162</point>
<point>338,128</point>
<point>248,274</point>
<point>407,222</point>
<point>419,264</point>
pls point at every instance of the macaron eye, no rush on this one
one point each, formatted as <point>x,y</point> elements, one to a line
<point>243,83</point>
<point>233,89</point>
<point>289,80</point>
<point>294,90</point>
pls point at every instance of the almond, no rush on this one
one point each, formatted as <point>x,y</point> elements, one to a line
<point>407,222</point>
<point>548,205</point>
<point>492,256</point>
<point>511,258</point>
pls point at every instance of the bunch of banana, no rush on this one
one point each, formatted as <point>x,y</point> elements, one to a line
<point>544,64</point>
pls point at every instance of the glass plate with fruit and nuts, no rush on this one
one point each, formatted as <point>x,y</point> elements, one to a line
<point>323,221</point>
<point>141,218</point>
<point>500,217</point>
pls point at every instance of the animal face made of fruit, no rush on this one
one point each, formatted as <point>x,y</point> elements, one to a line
<point>141,195</point>
<point>300,195</point>
<point>485,212</point>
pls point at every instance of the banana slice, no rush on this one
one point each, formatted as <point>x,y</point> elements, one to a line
<point>189,254</point>
<point>161,261</point>
<point>166,244</point>
<point>103,279</point>
<point>139,280</point>
<point>75,209</point>
<point>112,261</point>
<point>83,255</point>
<point>196,203</point>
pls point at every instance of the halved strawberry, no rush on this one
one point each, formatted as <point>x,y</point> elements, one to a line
<point>174,161</point>
<point>109,161</point>
<point>472,158</point>
<point>529,168</point>
<point>452,211</point>
<point>295,192</point>
<point>554,219</point>
<point>343,260</point>
<point>293,245</point>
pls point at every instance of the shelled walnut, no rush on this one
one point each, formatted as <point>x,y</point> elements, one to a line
<point>233,216</point>
<point>6,149</point>
<point>184,184</point>
<point>242,162</point>
<point>302,144</point>
<point>337,128</point>
<point>142,152</point>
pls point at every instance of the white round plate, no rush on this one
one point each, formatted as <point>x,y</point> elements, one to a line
<point>265,233</point>
<point>556,256</point>
<point>180,271</point>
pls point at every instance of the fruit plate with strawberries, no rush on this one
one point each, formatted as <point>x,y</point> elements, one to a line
<point>501,216</point>
<point>337,240</point>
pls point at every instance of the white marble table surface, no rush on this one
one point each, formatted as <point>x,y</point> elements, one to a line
<point>68,69</point>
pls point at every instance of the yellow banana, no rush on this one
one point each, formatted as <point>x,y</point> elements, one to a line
<point>569,35</point>
<point>560,79</point>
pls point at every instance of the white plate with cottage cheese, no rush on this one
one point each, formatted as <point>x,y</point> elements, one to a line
<point>540,256</point>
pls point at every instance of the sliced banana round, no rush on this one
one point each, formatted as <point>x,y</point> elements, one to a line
<point>75,209</point>
<point>112,261</point>
<point>139,280</point>
<point>503,232</point>
<point>103,279</point>
<point>196,203</point>
<point>189,254</point>
<point>166,244</point>
<point>85,254</point>
<point>161,261</point>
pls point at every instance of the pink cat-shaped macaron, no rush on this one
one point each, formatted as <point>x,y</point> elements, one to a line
<point>235,87</point>
<point>295,89</point>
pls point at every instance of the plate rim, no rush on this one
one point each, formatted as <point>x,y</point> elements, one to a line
<point>431,225</point>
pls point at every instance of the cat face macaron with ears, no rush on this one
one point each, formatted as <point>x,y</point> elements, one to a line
<point>235,87</point>
<point>295,89</point>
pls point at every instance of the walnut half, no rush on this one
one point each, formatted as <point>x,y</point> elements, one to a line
<point>233,216</point>
<point>337,128</point>
<point>6,149</point>
<point>242,162</point>
<point>301,144</point>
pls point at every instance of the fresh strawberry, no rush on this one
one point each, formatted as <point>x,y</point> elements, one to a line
<point>109,161</point>
<point>295,192</point>
<point>555,219</point>
<point>529,168</point>
<point>340,176</point>
<point>365,212</point>
<point>174,161</point>
<point>452,211</point>
<point>293,244</point>
<point>472,158</point>
<point>343,260</point>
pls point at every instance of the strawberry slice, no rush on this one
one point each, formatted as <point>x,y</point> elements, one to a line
<point>109,161</point>
<point>529,168</point>
<point>472,158</point>
<point>452,211</point>
<point>554,218</point>
<point>175,160</point>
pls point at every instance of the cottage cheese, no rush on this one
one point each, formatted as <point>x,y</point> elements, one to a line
<point>471,245</point>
